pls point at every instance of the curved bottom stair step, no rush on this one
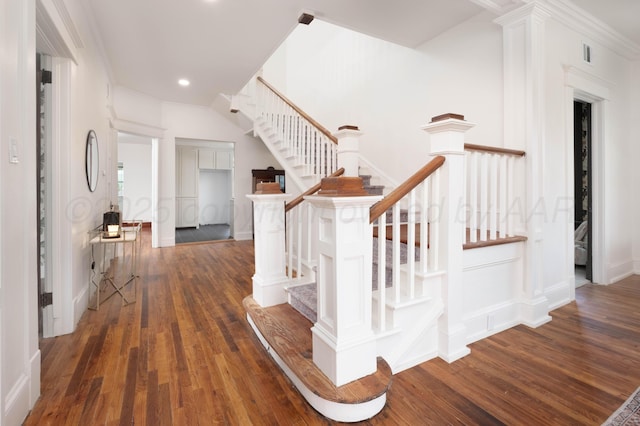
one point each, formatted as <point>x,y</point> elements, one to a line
<point>287,337</point>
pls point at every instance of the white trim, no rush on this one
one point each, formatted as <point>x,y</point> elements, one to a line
<point>47,311</point>
<point>16,403</point>
<point>588,88</point>
<point>68,23</point>
<point>61,251</point>
<point>572,16</point>
<point>155,184</point>
<point>135,128</point>
<point>52,29</point>
<point>155,133</point>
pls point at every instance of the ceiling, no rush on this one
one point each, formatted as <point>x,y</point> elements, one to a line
<point>219,44</point>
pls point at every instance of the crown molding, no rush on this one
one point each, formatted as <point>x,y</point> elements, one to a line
<point>577,19</point>
<point>532,9</point>
<point>68,23</point>
<point>498,7</point>
<point>52,34</point>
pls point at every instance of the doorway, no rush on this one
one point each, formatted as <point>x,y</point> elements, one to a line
<point>204,190</point>
<point>583,191</point>
<point>43,196</point>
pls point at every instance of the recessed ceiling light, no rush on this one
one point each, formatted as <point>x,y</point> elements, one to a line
<point>183,82</point>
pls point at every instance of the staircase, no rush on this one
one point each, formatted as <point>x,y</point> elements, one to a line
<point>305,149</point>
<point>425,297</point>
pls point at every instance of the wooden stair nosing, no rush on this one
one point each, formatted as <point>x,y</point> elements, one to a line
<point>289,334</point>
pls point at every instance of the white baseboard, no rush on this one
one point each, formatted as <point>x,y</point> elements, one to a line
<point>18,401</point>
<point>239,236</point>
<point>34,382</point>
<point>620,271</point>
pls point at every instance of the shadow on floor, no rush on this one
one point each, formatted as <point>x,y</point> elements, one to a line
<point>221,231</point>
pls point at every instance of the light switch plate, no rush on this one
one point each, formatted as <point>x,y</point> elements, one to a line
<point>13,151</point>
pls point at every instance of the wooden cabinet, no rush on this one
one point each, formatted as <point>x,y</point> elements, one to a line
<point>187,175</point>
<point>269,174</point>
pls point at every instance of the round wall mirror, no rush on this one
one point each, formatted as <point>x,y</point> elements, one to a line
<point>92,161</point>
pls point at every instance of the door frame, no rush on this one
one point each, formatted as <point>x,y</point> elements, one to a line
<point>578,126</point>
<point>585,87</point>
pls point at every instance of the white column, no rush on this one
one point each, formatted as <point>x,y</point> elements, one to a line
<point>270,275</point>
<point>447,139</point>
<point>348,149</point>
<point>524,51</point>
<point>344,345</point>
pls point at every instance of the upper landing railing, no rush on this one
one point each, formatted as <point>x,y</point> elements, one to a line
<point>491,192</point>
<point>301,137</point>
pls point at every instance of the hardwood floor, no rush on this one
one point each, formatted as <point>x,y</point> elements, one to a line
<point>184,354</point>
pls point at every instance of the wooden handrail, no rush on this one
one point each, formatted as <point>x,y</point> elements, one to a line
<point>494,149</point>
<point>315,188</point>
<point>306,116</point>
<point>407,186</point>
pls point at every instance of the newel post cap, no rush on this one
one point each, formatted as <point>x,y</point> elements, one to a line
<point>268,188</point>
<point>342,186</point>
<point>448,122</point>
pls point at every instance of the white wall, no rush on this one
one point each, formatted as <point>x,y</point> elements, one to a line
<point>19,353</point>
<point>80,93</point>
<point>634,129</point>
<point>89,97</point>
<point>611,75</point>
<point>342,77</point>
<point>202,123</point>
<point>181,121</point>
<point>134,152</point>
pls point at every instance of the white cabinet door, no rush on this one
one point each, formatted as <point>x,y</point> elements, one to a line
<point>187,172</point>
<point>186,212</point>
<point>224,160</point>
<point>206,159</point>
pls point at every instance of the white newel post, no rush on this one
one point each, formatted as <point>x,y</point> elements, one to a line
<point>344,345</point>
<point>270,275</point>
<point>348,149</point>
<point>447,139</point>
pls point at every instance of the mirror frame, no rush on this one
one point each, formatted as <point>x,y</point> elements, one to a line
<point>92,160</point>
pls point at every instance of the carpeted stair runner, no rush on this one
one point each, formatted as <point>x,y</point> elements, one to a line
<point>304,299</point>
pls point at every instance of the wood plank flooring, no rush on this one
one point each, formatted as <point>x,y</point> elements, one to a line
<point>184,354</point>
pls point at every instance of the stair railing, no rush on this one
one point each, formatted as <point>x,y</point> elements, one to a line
<point>409,215</point>
<point>491,190</point>
<point>300,255</point>
<point>314,147</point>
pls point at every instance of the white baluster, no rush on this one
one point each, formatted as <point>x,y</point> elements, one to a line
<point>484,196</point>
<point>411,243</point>
<point>493,191</point>
<point>502,229</point>
<point>395,243</point>
<point>424,228</point>
<point>382,275</point>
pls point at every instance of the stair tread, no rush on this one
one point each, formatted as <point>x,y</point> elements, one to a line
<point>289,335</point>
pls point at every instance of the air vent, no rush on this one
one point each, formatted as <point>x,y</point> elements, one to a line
<point>586,53</point>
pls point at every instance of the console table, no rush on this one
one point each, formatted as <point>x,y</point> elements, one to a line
<point>114,276</point>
